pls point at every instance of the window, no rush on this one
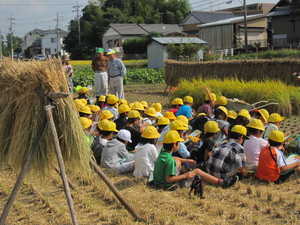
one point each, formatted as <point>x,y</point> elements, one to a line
<point>53,40</point>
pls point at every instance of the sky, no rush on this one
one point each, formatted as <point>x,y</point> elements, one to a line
<point>31,14</point>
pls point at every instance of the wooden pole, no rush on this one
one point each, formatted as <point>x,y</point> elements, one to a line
<point>69,182</point>
<point>48,109</point>
<point>24,170</point>
<point>115,191</point>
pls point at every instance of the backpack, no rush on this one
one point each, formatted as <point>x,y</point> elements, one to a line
<point>198,187</point>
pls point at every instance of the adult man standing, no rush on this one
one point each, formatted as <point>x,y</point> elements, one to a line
<point>99,65</point>
<point>116,71</point>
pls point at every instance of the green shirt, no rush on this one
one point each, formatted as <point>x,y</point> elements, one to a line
<point>165,165</point>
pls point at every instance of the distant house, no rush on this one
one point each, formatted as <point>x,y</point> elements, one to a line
<point>157,49</point>
<point>195,18</point>
<point>29,39</point>
<point>118,33</point>
<point>52,41</point>
<point>285,24</point>
<point>252,9</point>
<point>230,33</point>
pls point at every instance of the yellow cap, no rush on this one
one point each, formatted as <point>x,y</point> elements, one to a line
<point>78,104</point>
<point>231,114</point>
<point>163,121</point>
<point>275,117</point>
<point>102,98</point>
<point>256,124</point>
<point>221,100</point>
<point>112,99</point>
<point>150,112</point>
<point>123,108</point>
<point>85,122</point>
<point>131,105</point>
<point>264,114</point>
<point>83,90</point>
<point>177,101</point>
<point>145,104</point>
<point>172,136</point>
<point>169,115</point>
<point>188,99</point>
<point>239,129</point>
<point>94,108</point>
<point>150,133</point>
<point>244,113</point>
<point>211,127</point>
<point>183,119</point>
<point>223,109</point>
<point>134,114</point>
<point>86,110</point>
<point>84,101</point>
<point>138,106</point>
<point>213,96</point>
<point>178,125</point>
<point>277,136</point>
<point>101,122</point>
<point>201,114</point>
<point>123,101</point>
<point>157,106</point>
<point>106,114</point>
<point>109,126</point>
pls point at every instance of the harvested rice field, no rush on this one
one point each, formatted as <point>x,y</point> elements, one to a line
<point>248,202</point>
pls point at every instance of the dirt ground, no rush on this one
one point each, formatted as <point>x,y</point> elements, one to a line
<point>248,202</point>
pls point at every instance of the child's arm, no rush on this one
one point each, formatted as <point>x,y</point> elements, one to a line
<point>187,161</point>
<point>212,103</point>
<point>289,167</point>
<point>243,171</point>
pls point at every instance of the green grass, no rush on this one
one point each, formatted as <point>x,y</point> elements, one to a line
<point>287,96</point>
<point>283,53</point>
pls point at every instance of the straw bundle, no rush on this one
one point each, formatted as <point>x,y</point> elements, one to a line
<point>22,111</point>
<point>244,70</point>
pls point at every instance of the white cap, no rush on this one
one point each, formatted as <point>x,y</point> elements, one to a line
<point>125,135</point>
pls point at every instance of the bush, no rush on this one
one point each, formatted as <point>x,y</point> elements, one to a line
<point>287,96</point>
<point>183,51</point>
<point>283,53</point>
<point>84,75</point>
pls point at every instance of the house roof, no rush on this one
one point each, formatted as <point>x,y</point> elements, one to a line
<point>179,40</point>
<point>232,20</point>
<point>128,29</point>
<point>56,31</point>
<point>208,17</point>
<point>161,28</point>
<point>281,11</point>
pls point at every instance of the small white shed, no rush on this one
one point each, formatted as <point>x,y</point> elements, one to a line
<point>157,49</point>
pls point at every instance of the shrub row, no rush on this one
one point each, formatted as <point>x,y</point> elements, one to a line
<point>253,91</point>
<point>83,75</point>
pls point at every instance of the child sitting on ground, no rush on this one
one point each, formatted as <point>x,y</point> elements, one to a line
<point>272,166</point>
<point>123,111</point>
<point>162,123</point>
<point>112,101</point>
<point>115,154</point>
<point>168,172</point>
<point>254,144</point>
<point>176,104</point>
<point>274,124</point>
<point>146,153</point>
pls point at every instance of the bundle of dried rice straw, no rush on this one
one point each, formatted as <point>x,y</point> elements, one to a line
<point>22,111</point>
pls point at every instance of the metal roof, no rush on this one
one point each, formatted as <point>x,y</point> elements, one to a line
<point>232,20</point>
<point>179,40</point>
<point>282,11</point>
<point>207,17</point>
<point>162,28</point>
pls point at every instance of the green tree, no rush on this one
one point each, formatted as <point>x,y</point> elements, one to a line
<point>17,43</point>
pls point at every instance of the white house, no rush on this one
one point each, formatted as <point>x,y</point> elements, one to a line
<point>157,49</point>
<point>30,37</point>
<point>52,42</point>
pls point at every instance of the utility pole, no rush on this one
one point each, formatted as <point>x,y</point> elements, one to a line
<point>76,7</point>
<point>245,27</point>
<point>11,19</point>
<point>57,36</point>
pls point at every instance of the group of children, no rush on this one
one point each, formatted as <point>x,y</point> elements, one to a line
<point>171,148</point>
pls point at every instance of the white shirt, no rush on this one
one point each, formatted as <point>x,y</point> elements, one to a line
<point>103,142</point>
<point>252,148</point>
<point>145,157</point>
<point>268,129</point>
<point>280,158</point>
